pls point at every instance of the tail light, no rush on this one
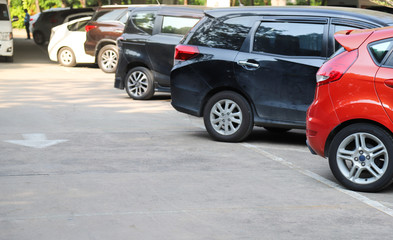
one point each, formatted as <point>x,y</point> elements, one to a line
<point>89,27</point>
<point>335,68</point>
<point>184,52</point>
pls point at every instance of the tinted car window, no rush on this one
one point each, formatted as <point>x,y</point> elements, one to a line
<point>110,16</point>
<point>291,39</point>
<point>380,49</point>
<point>227,34</point>
<point>78,26</point>
<point>177,25</point>
<point>144,21</point>
<point>124,18</point>
<point>4,12</point>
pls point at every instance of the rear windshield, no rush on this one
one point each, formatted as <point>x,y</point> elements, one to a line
<point>110,15</point>
<point>222,33</point>
<point>4,13</point>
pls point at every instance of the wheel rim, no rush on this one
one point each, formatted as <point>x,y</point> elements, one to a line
<point>109,59</point>
<point>362,158</point>
<point>66,57</point>
<point>226,117</point>
<point>138,83</point>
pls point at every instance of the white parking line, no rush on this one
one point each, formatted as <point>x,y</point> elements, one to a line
<point>355,195</point>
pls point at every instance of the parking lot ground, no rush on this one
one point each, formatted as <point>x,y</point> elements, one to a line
<point>81,160</point>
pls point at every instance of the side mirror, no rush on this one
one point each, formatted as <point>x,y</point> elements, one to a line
<point>15,18</point>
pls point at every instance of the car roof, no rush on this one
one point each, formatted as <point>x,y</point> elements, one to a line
<point>381,18</point>
<point>175,10</point>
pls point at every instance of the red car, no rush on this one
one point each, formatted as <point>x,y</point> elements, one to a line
<point>350,119</point>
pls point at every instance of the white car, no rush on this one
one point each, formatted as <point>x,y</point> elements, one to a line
<point>66,44</point>
<point>6,39</point>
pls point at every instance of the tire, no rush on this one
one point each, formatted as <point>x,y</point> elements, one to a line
<point>228,117</point>
<point>108,58</point>
<point>9,59</point>
<point>39,38</point>
<point>66,57</point>
<point>277,129</point>
<point>139,83</point>
<point>359,157</point>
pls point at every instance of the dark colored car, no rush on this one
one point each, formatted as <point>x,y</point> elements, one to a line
<point>241,67</point>
<point>54,17</point>
<point>147,46</point>
<point>350,119</point>
<point>106,25</point>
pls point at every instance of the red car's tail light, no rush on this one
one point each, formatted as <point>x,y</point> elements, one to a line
<point>335,68</point>
<point>89,27</point>
<point>183,52</point>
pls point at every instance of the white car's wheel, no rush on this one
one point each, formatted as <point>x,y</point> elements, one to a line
<point>66,57</point>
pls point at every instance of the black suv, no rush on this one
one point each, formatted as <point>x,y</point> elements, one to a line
<point>147,46</point>
<point>241,67</point>
<point>54,17</point>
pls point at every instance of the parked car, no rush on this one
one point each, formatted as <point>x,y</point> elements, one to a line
<point>102,31</point>
<point>241,67</point>
<point>66,44</point>
<point>350,119</point>
<point>6,38</point>
<point>33,19</point>
<point>147,46</point>
<point>54,17</point>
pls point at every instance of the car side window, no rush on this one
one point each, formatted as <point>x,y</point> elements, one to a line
<point>78,26</point>
<point>177,25</point>
<point>144,21</point>
<point>289,38</point>
<point>227,34</point>
<point>379,50</point>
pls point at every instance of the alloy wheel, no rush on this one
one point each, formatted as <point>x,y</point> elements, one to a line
<point>138,83</point>
<point>362,158</point>
<point>226,117</point>
<point>109,59</point>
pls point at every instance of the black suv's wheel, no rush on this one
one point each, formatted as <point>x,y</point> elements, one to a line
<point>66,57</point>
<point>359,157</point>
<point>107,58</point>
<point>139,83</point>
<point>228,117</point>
<point>38,38</point>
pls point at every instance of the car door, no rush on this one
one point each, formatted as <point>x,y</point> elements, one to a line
<point>381,53</point>
<point>168,32</point>
<point>278,73</point>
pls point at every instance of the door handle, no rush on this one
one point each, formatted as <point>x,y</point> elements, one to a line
<point>389,83</point>
<point>248,64</point>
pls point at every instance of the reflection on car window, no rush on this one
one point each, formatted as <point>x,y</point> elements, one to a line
<point>4,12</point>
<point>144,21</point>
<point>379,50</point>
<point>229,34</point>
<point>111,16</point>
<point>338,28</point>
<point>124,18</point>
<point>78,26</point>
<point>177,25</point>
<point>291,39</point>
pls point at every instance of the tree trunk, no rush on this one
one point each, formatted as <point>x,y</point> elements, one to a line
<point>83,3</point>
<point>37,6</point>
<point>185,2</point>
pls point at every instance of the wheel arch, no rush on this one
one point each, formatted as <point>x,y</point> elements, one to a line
<point>101,44</point>
<point>221,89</point>
<point>346,124</point>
